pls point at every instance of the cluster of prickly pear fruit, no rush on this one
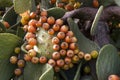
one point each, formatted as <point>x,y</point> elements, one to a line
<point>45,47</point>
<point>17,61</point>
<point>61,40</point>
<point>49,40</point>
<point>66,4</point>
<point>59,44</point>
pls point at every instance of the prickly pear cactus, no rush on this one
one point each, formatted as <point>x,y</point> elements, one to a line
<point>7,44</point>
<point>55,39</point>
<point>107,62</point>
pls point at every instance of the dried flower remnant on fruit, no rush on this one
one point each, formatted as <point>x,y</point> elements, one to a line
<point>25,17</point>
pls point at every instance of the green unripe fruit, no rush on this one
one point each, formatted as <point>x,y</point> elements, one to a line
<point>94,54</point>
<point>75,59</point>
<point>86,69</point>
<point>65,67</point>
<point>71,65</point>
<point>17,50</point>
